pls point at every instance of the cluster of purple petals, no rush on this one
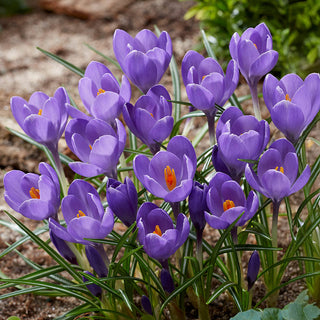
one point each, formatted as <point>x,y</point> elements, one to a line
<point>238,137</point>
<point>150,118</point>
<point>160,246</point>
<point>222,191</point>
<point>143,59</point>
<point>292,102</point>
<point>101,94</point>
<point>34,196</point>
<point>97,145</point>
<point>276,176</point>
<point>42,118</point>
<point>180,158</point>
<point>253,53</point>
<point>84,215</point>
<point>205,82</point>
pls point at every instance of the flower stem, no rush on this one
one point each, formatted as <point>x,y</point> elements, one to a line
<point>176,209</point>
<point>59,169</point>
<point>211,114</point>
<point>255,101</point>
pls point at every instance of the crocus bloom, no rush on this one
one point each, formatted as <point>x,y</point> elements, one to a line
<point>198,205</point>
<point>292,102</point>
<point>239,137</point>
<point>150,118</point>
<point>42,118</point>
<point>97,258</point>
<point>157,234</point>
<point>143,59</point>
<point>276,176</point>
<point>34,196</point>
<point>167,281</point>
<point>253,53</point>
<point>226,202</point>
<point>146,304</point>
<point>253,269</point>
<point>169,174</point>
<point>101,93</point>
<point>93,288</point>
<point>205,81</point>
<point>123,200</point>
<point>97,145</point>
<point>84,215</point>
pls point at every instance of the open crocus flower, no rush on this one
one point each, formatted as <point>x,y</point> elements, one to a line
<point>276,177</point>
<point>42,118</point>
<point>239,137</point>
<point>35,196</point>
<point>253,53</point>
<point>145,58</point>
<point>97,145</point>
<point>226,202</point>
<point>101,94</point>
<point>84,215</point>
<point>150,118</point>
<point>157,234</point>
<point>205,81</point>
<point>169,174</point>
<point>292,102</point>
<point>123,200</point>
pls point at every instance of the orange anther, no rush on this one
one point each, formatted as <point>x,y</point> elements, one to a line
<point>34,193</point>
<point>279,169</point>
<point>170,178</point>
<point>40,112</point>
<point>157,230</point>
<point>80,214</point>
<point>228,204</point>
<point>100,91</point>
<point>287,97</point>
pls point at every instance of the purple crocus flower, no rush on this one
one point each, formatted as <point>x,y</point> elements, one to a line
<point>205,81</point>
<point>198,205</point>
<point>98,259</point>
<point>255,57</point>
<point>169,174</point>
<point>276,176</point>
<point>253,269</point>
<point>35,196</point>
<point>167,281</point>
<point>93,288</point>
<point>157,233</point>
<point>292,102</point>
<point>150,118</point>
<point>253,52</point>
<point>226,202</point>
<point>42,118</point>
<point>101,94</point>
<point>84,215</point>
<point>143,59</point>
<point>123,200</point>
<point>146,305</point>
<point>239,137</point>
<point>97,145</point>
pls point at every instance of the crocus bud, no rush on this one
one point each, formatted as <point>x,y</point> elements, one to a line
<point>253,269</point>
<point>146,305</point>
<point>167,281</point>
<point>93,288</point>
<point>123,200</point>
<point>98,259</point>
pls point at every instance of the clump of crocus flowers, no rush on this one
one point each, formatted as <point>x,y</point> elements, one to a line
<point>162,189</point>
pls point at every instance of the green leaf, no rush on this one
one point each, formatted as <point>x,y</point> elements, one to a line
<point>63,62</point>
<point>250,314</point>
<point>223,287</point>
<point>13,318</point>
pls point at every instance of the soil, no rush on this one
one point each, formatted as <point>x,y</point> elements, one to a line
<point>63,27</point>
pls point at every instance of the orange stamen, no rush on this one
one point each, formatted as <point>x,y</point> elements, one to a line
<point>100,91</point>
<point>228,204</point>
<point>157,230</point>
<point>40,112</point>
<point>279,169</point>
<point>80,214</point>
<point>170,178</point>
<point>34,193</point>
<point>151,115</point>
<point>255,46</point>
<point>287,97</point>
<point>90,146</point>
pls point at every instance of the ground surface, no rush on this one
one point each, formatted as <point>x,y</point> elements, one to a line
<point>63,28</point>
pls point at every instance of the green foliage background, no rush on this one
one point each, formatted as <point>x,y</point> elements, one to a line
<point>294,25</point>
